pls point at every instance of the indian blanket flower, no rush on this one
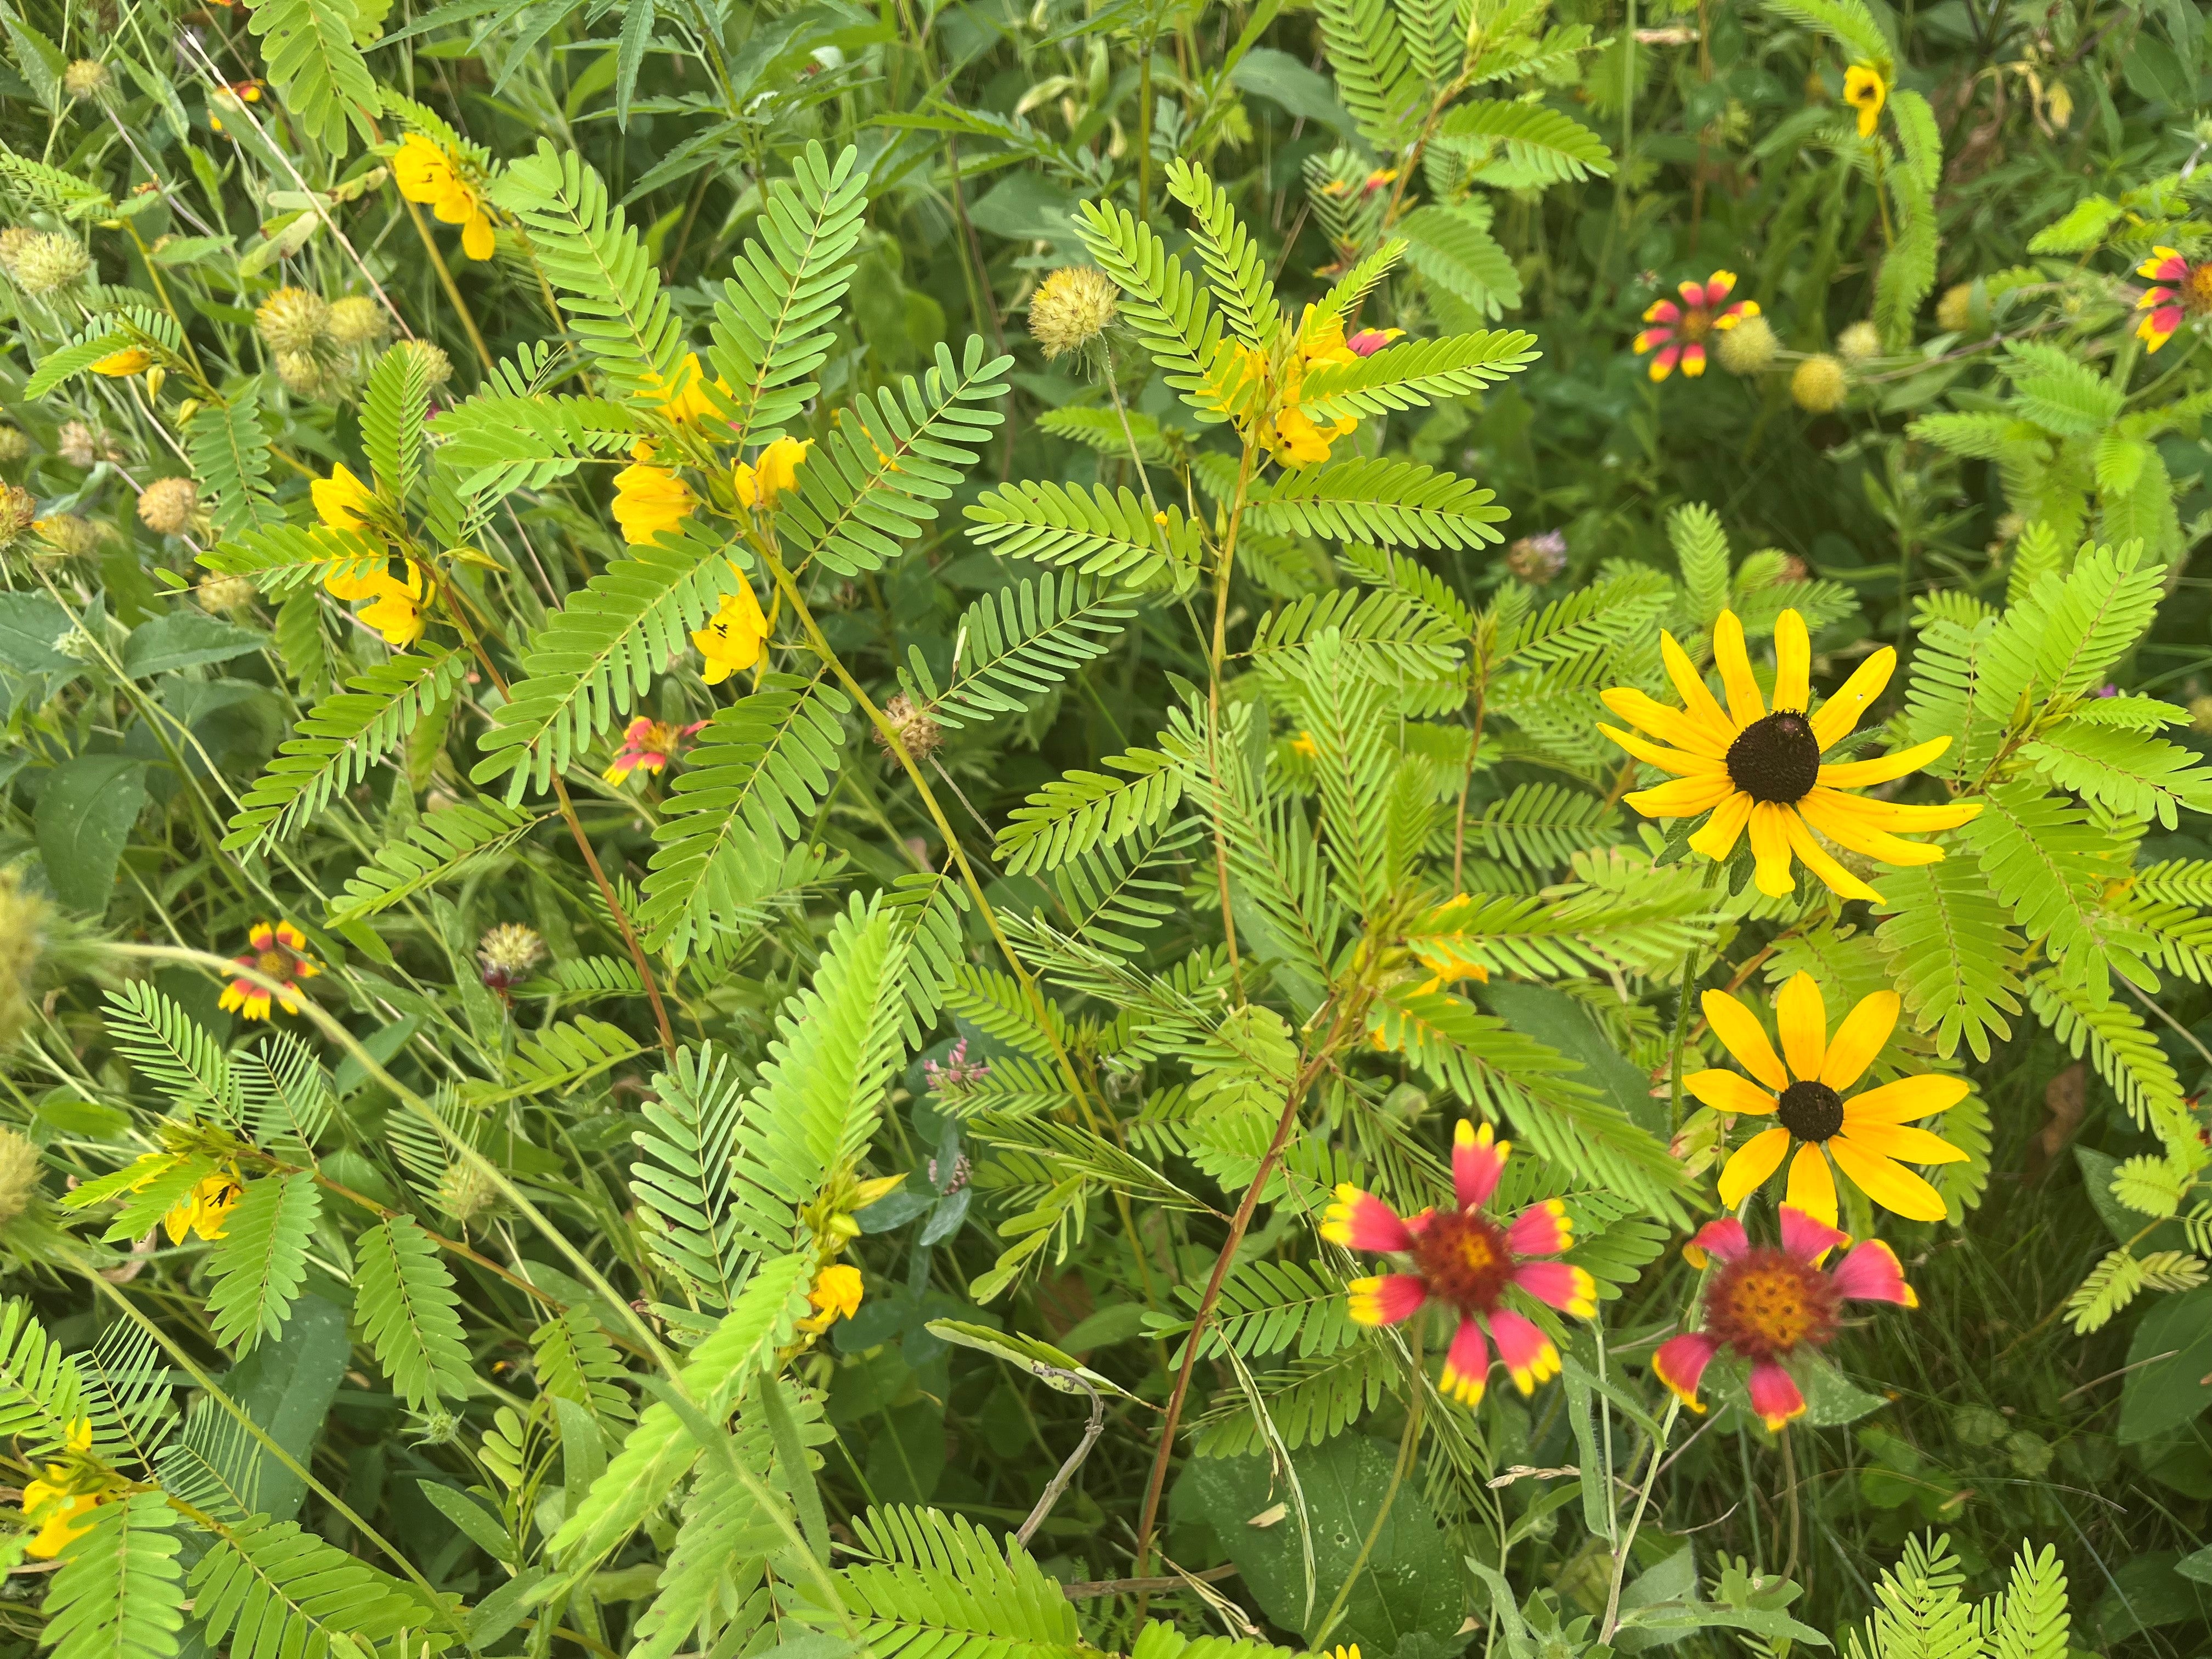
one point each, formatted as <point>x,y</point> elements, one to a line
<point>279,952</point>
<point>731,638</point>
<point>1869,1136</point>
<point>648,746</point>
<point>1463,1259</point>
<point>1760,769</point>
<point>2166,308</point>
<point>1679,332</point>
<point>1766,1304</point>
<point>835,1295</point>
<point>65,1515</point>
<point>649,500</point>
<point>428,173</point>
<point>1865,91</point>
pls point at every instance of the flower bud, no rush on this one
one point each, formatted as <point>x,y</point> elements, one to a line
<point>1748,347</point>
<point>1820,384</point>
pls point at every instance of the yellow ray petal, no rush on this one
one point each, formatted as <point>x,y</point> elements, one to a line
<point>1735,665</point>
<point>1859,1039</point>
<point>1821,811</point>
<point>1793,662</point>
<point>1743,1035</point>
<point>1753,1162</point>
<point>1770,846</point>
<point>1725,1091</point>
<point>1678,762</point>
<point>1906,1099</point>
<point>1812,1188</point>
<point>1801,1016</point>
<point>1822,863</point>
<point>1698,701</point>
<point>1839,716</point>
<point>1900,1141</point>
<point>1905,819</point>
<point>1861,775</point>
<point>1670,725</point>
<point>1887,1182</point>
<point>1717,839</point>
<point>1683,797</point>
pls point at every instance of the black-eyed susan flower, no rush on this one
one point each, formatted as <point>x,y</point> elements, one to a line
<point>1463,1259</point>
<point>732,639</point>
<point>2165,309</point>
<point>1759,769</point>
<point>279,953</point>
<point>649,500</point>
<point>1865,91</point>
<point>1679,332</point>
<point>1868,1136</point>
<point>1766,1305</point>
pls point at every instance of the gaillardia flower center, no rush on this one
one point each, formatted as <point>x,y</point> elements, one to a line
<point>1811,1111</point>
<point>1777,758</point>
<point>1696,323</point>
<point>1767,1302</point>
<point>1466,1260</point>
<point>2197,289</point>
<point>274,964</point>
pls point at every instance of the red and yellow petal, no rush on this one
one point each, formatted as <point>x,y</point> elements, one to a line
<point>1775,1395</point>
<point>1693,294</point>
<point>1478,1160</point>
<point>1390,1299</point>
<point>1872,1272</point>
<point>1680,1365</point>
<point>1663,364</point>
<point>1529,1357</point>
<point>2165,264</point>
<point>1650,340</point>
<point>1360,1221</point>
<point>1723,1237</point>
<point>261,936</point>
<point>1663,311</point>
<point>1466,1365</point>
<point>1559,1285</point>
<point>2159,326</point>
<point>1806,1236</point>
<point>1543,1228</point>
<point>1719,286</point>
<point>1694,360</point>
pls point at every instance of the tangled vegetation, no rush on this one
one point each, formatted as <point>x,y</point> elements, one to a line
<point>968,832</point>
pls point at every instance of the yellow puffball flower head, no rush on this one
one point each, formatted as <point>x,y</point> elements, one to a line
<point>777,472</point>
<point>1865,91</point>
<point>1759,768</point>
<point>649,500</point>
<point>1869,1136</point>
<point>1072,307</point>
<point>835,1295</point>
<point>428,173</point>
<point>732,639</point>
<point>118,364</point>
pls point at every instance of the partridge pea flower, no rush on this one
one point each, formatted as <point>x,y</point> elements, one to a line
<point>649,500</point>
<point>397,612</point>
<point>648,746</point>
<point>426,171</point>
<point>732,639</point>
<point>63,1515</point>
<point>1759,768</point>
<point>2167,308</point>
<point>342,502</point>
<point>131,360</point>
<point>1869,1136</point>
<point>1679,332</point>
<point>1865,91</point>
<point>835,1295</point>
<point>1764,1304</point>
<point>278,953</point>
<point>1463,1259</point>
<point>776,473</point>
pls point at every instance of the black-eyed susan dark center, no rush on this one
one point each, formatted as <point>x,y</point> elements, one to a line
<point>1767,1302</point>
<point>1777,758</point>
<point>1464,1259</point>
<point>1811,1111</point>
